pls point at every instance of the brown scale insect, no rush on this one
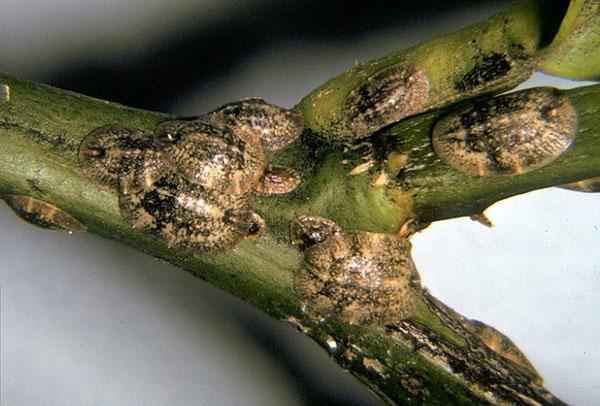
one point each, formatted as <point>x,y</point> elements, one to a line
<point>190,217</point>
<point>277,127</point>
<point>277,180</point>
<point>212,155</point>
<point>224,150</point>
<point>388,96</point>
<point>358,276</point>
<point>503,346</point>
<point>591,185</point>
<point>42,214</point>
<point>108,152</point>
<point>307,231</point>
<point>510,134</point>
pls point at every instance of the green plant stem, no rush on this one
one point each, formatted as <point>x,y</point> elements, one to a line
<point>574,52</point>
<point>437,356</point>
<point>41,127</point>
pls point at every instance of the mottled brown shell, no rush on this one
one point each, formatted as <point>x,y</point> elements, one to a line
<point>108,152</point>
<point>307,231</point>
<point>145,171</point>
<point>190,217</point>
<point>276,127</point>
<point>360,277</point>
<point>503,346</point>
<point>510,134</point>
<point>277,180</point>
<point>591,185</point>
<point>42,214</point>
<point>210,154</point>
<point>386,97</point>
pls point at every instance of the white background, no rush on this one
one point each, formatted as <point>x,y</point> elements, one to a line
<point>87,321</point>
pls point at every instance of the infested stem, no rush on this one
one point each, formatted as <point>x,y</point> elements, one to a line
<point>435,356</point>
<point>487,58</point>
<point>40,161</point>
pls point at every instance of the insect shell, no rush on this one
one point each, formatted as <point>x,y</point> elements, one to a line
<point>591,185</point>
<point>360,277</point>
<point>510,134</point>
<point>275,126</point>
<point>224,150</point>
<point>277,180</point>
<point>108,152</point>
<point>307,231</point>
<point>42,214</point>
<point>385,98</point>
<point>209,153</point>
<point>190,217</point>
<point>503,346</point>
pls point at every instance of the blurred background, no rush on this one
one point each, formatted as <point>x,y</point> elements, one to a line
<point>87,321</point>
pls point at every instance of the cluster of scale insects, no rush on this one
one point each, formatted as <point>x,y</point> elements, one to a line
<point>190,183</point>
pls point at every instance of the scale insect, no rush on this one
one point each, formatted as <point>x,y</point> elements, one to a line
<point>386,97</point>
<point>357,276</point>
<point>510,134</point>
<point>42,214</point>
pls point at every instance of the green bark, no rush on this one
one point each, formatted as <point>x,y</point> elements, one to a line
<point>574,51</point>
